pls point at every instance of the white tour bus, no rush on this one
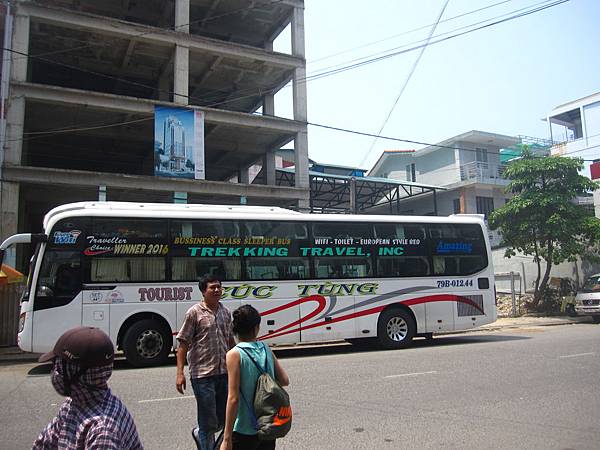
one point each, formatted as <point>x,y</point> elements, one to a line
<point>132,269</point>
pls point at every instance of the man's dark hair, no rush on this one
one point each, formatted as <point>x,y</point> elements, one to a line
<point>203,283</point>
<point>245,320</point>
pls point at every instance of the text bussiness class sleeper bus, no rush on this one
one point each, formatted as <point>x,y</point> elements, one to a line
<point>131,269</point>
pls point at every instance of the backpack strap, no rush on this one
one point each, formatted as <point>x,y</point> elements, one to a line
<point>250,408</point>
<point>260,369</point>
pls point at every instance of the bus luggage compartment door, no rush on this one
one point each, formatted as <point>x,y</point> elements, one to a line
<point>279,320</point>
<point>330,324</point>
<point>439,316</point>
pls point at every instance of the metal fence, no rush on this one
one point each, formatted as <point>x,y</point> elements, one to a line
<point>509,283</point>
<point>10,295</point>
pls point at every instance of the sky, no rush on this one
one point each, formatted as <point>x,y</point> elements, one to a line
<point>502,79</point>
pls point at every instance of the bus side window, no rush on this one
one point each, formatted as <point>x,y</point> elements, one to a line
<point>59,280</point>
<point>68,279</point>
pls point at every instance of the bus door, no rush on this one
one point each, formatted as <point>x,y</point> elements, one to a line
<point>58,298</point>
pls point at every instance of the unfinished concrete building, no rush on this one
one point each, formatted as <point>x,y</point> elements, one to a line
<point>85,77</point>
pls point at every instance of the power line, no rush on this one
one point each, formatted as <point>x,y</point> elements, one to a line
<point>409,76</point>
<point>407,32</point>
<point>468,26</point>
<point>400,52</point>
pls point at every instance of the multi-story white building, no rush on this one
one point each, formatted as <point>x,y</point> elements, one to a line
<point>576,128</point>
<point>467,165</point>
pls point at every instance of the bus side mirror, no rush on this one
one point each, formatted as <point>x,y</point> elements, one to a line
<point>44,291</point>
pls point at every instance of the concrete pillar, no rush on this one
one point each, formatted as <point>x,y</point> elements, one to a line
<point>182,54</point>
<point>9,216</point>
<point>352,188</point>
<point>181,75</point>
<point>269,99</point>
<point>300,109</point>
<point>15,112</point>
<point>244,176</point>
<point>20,44</point>
<point>298,32</point>
<point>269,168</point>
<point>15,119</point>
<point>269,105</point>
<point>182,16</point>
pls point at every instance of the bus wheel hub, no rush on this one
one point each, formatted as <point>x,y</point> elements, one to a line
<point>149,343</point>
<point>397,329</point>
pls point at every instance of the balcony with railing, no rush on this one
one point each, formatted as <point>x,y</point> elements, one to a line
<point>483,172</point>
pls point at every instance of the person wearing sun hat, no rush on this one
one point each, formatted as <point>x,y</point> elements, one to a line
<point>91,417</point>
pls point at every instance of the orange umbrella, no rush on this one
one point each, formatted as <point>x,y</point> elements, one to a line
<point>10,275</point>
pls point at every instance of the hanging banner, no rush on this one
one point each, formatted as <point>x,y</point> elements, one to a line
<point>178,143</point>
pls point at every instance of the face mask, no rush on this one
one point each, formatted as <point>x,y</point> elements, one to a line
<point>64,375</point>
<point>58,381</point>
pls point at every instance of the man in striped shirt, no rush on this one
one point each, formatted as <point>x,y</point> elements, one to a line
<point>91,418</point>
<point>205,338</point>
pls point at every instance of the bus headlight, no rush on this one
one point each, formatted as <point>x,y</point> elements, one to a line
<point>22,321</point>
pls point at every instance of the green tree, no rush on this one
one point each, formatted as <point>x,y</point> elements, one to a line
<point>541,219</point>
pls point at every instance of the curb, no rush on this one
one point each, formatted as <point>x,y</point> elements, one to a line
<point>12,355</point>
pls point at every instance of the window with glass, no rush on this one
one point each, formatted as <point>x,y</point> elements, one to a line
<point>185,268</point>
<point>411,172</point>
<point>456,206</point>
<point>201,247</point>
<point>481,155</point>
<point>485,205</point>
<point>60,278</point>
<point>342,267</point>
<point>457,249</point>
<point>400,231</point>
<point>403,266</point>
<point>61,272</point>
<point>130,229</point>
<point>127,269</point>
<point>277,269</point>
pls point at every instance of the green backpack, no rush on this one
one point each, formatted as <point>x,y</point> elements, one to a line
<point>272,413</point>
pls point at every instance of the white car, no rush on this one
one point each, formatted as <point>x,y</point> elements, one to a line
<point>587,301</point>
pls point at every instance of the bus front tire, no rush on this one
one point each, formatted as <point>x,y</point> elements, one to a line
<point>395,329</point>
<point>147,343</point>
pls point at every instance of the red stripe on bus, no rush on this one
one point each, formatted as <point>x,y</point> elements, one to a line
<point>366,312</point>
<point>322,302</point>
<point>443,298</point>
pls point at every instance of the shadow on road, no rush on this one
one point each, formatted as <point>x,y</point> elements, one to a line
<point>344,347</point>
<point>120,364</point>
<point>335,348</point>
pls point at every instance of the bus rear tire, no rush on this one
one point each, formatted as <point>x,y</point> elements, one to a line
<point>395,329</point>
<point>147,343</point>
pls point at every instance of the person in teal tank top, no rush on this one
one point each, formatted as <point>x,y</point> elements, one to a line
<point>240,431</point>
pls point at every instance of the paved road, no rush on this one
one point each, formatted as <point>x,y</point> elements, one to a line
<point>535,387</point>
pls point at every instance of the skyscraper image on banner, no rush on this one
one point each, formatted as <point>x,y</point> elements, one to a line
<point>178,143</point>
